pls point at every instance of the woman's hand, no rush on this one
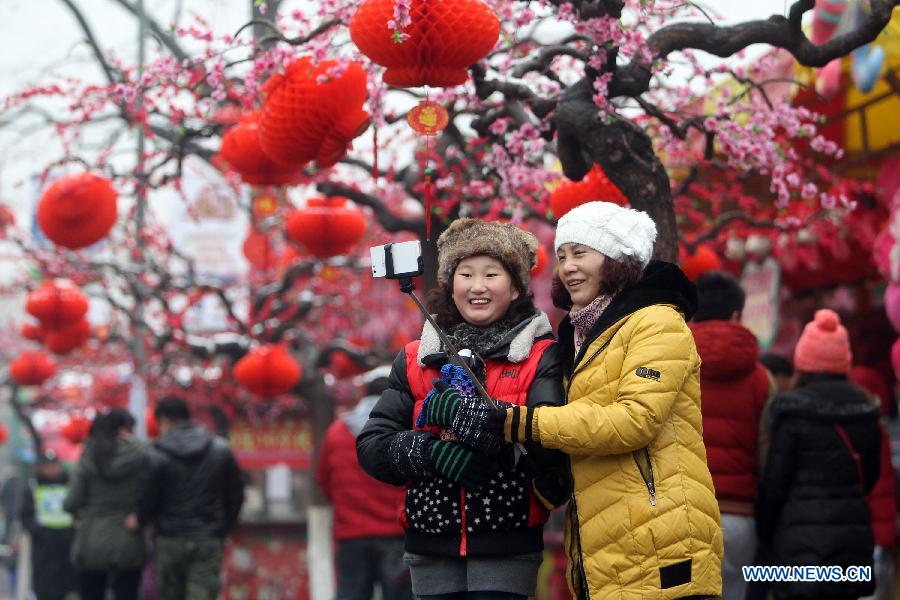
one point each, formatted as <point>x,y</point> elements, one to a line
<point>131,523</point>
<point>471,420</point>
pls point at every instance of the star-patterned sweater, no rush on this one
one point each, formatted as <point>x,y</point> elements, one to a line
<point>441,517</point>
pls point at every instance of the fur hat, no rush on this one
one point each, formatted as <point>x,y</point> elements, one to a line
<point>507,243</point>
<point>824,346</point>
<point>610,229</point>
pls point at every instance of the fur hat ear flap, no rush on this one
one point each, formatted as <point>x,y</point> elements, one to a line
<point>509,244</point>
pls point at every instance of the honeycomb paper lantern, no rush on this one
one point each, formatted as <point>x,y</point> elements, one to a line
<point>445,38</point>
<point>57,303</point>
<point>78,210</point>
<point>242,152</point>
<point>703,260</point>
<point>32,368</point>
<point>595,186</point>
<point>32,331</point>
<point>258,250</point>
<point>268,371</point>
<point>68,338</point>
<point>326,227</point>
<point>313,112</point>
<point>76,430</point>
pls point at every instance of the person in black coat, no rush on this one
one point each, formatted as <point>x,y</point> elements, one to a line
<point>823,459</point>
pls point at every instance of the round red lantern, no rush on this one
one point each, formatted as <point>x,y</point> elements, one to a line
<point>242,152</point>
<point>268,371</point>
<point>76,430</point>
<point>595,186</point>
<point>703,260</point>
<point>57,303</point>
<point>258,250</point>
<point>313,112</point>
<point>78,210</point>
<point>67,338</point>
<point>32,368</point>
<point>443,39</point>
<point>326,227</point>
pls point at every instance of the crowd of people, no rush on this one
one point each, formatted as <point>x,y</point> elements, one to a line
<point>680,455</point>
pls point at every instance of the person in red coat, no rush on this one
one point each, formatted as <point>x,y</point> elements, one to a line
<point>734,388</point>
<point>367,528</point>
<point>882,499</point>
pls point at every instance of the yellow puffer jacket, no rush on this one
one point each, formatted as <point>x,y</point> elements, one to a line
<point>648,533</point>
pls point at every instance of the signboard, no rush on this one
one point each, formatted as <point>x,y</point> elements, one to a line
<point>258,446</point>
<point>761,283</point>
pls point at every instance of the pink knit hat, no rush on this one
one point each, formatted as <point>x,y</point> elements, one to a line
<point>824,346</point>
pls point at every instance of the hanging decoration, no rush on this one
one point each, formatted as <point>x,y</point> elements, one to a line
<point>703,260</point>
<point>427,119</point>
<point>442,39</point>
<point>595,186</point>
<point>32,368</point>
<point>242,152</point>
<point>78,210</point>
<point>326,226</point>
<point>67,338</point>
<point>268,371</point>
<point>76,430</point>
<point>313,112</point>
<point>57,303</point>
<point>258,250</point>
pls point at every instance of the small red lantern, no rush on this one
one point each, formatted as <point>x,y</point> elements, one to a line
<point>67,338</point>
<point>242,152</point>
<point>268,371</point>
<point>4,434</point>
<point>326,227</point>
<point>342,366</point>
<point>444,38</point>
<point>540,257</point>
<point>258,251</point>
<point>57,303</point>
<point>77,211</point>
<point>313,112</point>
<point>703,260</point>
<point>76,430</point>
<point>595,186</point>
<point>32,331</point>
<point>32,368</point>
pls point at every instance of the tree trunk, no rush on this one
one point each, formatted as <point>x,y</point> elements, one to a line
<point>625,154</point>
<point>319,552</point>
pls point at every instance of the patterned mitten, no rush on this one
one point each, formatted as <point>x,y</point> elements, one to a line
<point>461,465</point>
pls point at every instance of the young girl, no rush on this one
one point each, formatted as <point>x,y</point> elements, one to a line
<point>472,517</point>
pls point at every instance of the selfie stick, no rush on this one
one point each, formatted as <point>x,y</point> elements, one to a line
<point>407,286</point>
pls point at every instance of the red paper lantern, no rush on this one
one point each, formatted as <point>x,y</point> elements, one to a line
<point>541,261</point>
<point>57,303</point>
<point>313,112</point>
<point>326,227</point>
<point>268,371</point>
<point>32,331</point>
<point>32,368</point>
<point>4,434</point>
<point>76,430</point>
<point>258,251</point>
<point>242,152</point>
<point>66,339</point>
<point>445,38</point>
<point>77,211</point>
<point>703,260</point>
<point>342,366</point>
<point>595,186</point>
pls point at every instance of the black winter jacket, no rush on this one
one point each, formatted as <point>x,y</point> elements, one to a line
<point>811,508</point>
<point>193,486</point>
<point>489,531</point>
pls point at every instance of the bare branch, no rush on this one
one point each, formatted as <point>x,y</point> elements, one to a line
<point>159,33</point>
<point>388,220</point>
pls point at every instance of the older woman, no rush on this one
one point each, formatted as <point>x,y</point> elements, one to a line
<point>643,518</point>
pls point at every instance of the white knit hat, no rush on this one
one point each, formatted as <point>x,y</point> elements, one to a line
<point>610,229</point>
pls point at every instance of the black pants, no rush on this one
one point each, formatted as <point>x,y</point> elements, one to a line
<point>362,562</point>
<point>125,584</point>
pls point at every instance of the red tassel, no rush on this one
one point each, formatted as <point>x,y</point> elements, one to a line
<point>428,198</point>
<point>375,153</point>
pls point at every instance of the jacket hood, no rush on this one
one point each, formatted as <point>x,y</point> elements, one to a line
<point>357,417</point>
<point>128,455</point>
<point>515,346</point>
<point>728,349</point>
<point>829,398</point>
<point>185,441</point>
<point>662,283</point>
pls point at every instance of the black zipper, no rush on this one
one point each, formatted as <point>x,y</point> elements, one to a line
<point>646,472</point>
